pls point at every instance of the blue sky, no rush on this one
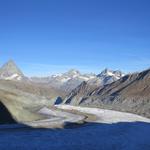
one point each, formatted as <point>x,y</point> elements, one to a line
<point>50,36</point>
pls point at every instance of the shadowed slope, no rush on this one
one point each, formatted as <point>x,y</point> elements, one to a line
<point>5,116</point>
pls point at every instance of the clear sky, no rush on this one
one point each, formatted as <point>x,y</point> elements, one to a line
<point>50,36</point>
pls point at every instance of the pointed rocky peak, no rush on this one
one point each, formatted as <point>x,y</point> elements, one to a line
<point>107,72</point>
<point>111,73</point>
<point>10,71</point>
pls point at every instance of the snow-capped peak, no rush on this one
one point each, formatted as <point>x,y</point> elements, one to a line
<point>107,72</point>
<point>107,76</point>
<point>69,75</point>
<point>10,71</point>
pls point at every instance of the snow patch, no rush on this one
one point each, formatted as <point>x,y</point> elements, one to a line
<point>14,76</point>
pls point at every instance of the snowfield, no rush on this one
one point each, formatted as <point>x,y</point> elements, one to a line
<point>106,116</point>
<point>60,115</point>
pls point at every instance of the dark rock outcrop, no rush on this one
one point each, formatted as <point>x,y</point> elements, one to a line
<point>5,115</point>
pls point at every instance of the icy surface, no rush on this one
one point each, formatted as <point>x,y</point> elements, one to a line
<point>106,116</point>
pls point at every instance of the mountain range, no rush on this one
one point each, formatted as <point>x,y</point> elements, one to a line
<point>66,81</point>
<point>73,78</point>
<point>23,95</point>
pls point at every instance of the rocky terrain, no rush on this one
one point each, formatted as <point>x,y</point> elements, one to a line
<point>21,98</point>
<point>55,85</point>
<point>131,93</point>
<point>32,101</point>
<point>13,77</point>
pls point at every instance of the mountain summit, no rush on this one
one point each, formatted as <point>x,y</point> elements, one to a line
<point>10,71</point>
<point>107,72</point>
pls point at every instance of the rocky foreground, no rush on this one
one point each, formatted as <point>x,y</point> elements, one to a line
<point>25,101</point>
<point>39,112</point>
